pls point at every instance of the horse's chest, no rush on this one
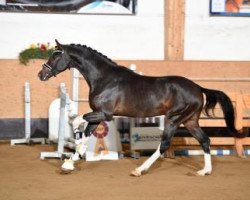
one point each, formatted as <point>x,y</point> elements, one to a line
<point>97,102</point>
<point>102,100</point>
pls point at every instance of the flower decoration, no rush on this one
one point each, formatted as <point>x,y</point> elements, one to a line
<point>43,47</point>
<point>33,46</point>
<point>35,51</point>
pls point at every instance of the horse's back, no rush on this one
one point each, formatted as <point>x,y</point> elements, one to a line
<point>150,96</point>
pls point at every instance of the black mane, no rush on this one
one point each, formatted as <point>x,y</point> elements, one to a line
<point>95,52</point>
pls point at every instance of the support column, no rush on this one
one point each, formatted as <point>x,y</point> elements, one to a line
<point>174,29</point>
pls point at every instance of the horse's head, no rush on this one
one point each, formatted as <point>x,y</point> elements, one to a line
<point>58,62</point>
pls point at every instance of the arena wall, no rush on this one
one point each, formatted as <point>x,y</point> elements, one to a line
<point>14,76</point>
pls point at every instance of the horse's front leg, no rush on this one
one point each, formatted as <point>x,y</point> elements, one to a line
<point>168,133</point>
<point>93,119</point>
<point>81,148</point>
<point>96,117</point>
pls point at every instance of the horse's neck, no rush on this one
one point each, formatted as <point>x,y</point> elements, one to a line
<point>94,73</point>
<point>93,66</point>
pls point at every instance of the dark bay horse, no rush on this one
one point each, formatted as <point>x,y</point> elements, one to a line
<point>116,90</point>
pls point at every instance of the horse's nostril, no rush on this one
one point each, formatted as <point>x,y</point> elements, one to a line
<point>40,75</point>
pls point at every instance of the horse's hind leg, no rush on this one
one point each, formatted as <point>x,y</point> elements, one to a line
<point>204,141</point>
<point>168,133</point>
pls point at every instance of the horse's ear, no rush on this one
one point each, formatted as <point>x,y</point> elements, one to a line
<point>58,45</point>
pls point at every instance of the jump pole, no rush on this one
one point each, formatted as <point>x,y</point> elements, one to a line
<point>217,152</point>
<point>27,139</point>
<point>61,132</point>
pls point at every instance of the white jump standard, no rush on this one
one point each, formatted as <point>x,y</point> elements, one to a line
<point>61,132</point>
<point>27,139</point>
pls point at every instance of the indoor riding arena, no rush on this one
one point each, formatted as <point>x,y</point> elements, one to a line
<point>125,100</point>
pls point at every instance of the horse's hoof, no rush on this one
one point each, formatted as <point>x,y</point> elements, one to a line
<point>203,173</point>
<point>65,171</point>
<point>68,165</point>
<point>136,173</point>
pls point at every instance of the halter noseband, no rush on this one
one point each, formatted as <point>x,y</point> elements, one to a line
<point>47,66</point>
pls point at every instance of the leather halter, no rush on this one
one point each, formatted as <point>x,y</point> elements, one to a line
<point>47,66</point>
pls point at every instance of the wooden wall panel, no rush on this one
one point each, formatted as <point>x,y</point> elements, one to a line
<point>174,29</point>
<point>14,76</point>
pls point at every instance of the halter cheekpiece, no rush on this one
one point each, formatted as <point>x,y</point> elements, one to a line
<point>47,66</point>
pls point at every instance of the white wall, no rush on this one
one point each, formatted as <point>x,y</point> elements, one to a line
<point>214,38</point>
<point>118,37</point>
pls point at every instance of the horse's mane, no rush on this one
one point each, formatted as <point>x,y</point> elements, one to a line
<point>94,52</point>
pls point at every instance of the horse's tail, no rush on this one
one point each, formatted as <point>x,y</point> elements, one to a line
<point>215,96</point>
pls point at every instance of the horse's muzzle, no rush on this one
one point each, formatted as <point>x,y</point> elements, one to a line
<point>44,76</point>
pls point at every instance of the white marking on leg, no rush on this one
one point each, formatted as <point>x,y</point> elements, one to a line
<point>76,122</point>
<point>75,157</point>
<point>147,164</point>
<point>81,144</point>
<point>82,147</point>
<point>85,139</point>
<point>207,165</point>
